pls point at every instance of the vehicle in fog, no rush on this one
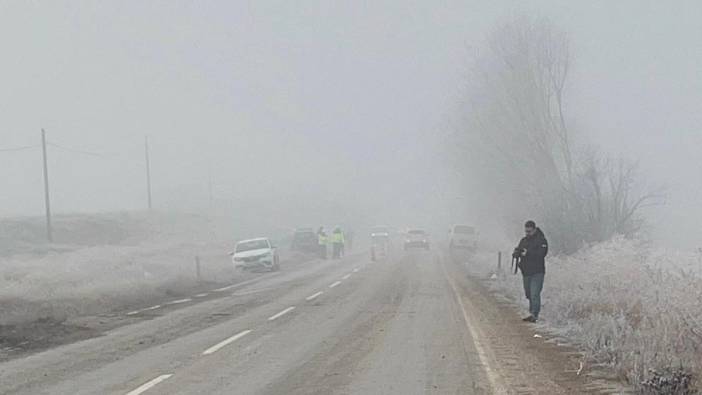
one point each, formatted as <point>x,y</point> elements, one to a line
<point>305,240</point>
<point>416,238</point>
<point>380,230</point>
<point>256,254</point>
<point>463,237</point>
<point>385,231</point>
<point>380,244</point>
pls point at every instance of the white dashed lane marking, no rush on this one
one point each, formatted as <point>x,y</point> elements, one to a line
<point>148,385</point>
<point>224,288</point>
<point>282,313</point>
<point>314,296</point>
<point>224,343</point>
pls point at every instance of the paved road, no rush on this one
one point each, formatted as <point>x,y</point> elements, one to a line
<point>405,326</point>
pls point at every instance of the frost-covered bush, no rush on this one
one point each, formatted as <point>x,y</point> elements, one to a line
<point>59,285</point>
<point>631,306</point>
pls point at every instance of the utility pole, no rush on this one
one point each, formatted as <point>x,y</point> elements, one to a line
<point>47,202</point>
<point>209,184</point>
<point>148,170</point>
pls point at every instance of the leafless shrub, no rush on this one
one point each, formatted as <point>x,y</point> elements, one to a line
<point>668,382</point>
<point>632,307</point>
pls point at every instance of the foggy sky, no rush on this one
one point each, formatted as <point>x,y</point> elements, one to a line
<point>319,100</point>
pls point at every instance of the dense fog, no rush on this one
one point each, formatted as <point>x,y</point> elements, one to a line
<point>323,112</point>
<point>328,196</point>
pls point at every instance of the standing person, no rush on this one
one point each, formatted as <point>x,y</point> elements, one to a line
<point>322,242</point>
<point>337,239</point>
<point>531,254</point>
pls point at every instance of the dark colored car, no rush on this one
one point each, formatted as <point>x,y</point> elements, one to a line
<point>416,238</point>
<point>305,240</point>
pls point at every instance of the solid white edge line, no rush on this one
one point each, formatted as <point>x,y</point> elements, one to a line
<point>223,343</point>
<point>346,277</point>
<point>314,296</point>
<point>475,335</point>
<point>334,284</point>
<point>148,385</point>
<point>282,313</point>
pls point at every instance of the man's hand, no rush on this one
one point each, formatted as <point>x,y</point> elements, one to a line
<point>524,252</point>
<point>516,253</point>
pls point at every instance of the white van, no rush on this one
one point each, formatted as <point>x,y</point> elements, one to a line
<point>463,237</point>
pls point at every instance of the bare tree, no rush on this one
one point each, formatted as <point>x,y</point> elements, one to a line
<point>608,196</point>
<point>515,141</point>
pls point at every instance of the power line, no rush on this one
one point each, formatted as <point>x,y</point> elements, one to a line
<point>22,148</point>
<point>78,151</point>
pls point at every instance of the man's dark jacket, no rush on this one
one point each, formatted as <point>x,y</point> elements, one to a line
<point>537,249</point>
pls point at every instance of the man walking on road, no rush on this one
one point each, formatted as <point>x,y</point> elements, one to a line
<point>531,255</point>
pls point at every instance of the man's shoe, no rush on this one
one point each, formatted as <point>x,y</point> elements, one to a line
<point>529,319</point>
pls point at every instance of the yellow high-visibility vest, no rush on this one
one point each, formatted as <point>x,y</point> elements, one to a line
<point>338,237</point>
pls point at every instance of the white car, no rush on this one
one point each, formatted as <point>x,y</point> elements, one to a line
<point>256,254</point>
<point>463,237</point>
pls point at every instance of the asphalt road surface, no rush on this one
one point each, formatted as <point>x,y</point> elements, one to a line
<point>413,324</point>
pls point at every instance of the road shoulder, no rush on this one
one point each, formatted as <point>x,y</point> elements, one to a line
<point>522,357</point>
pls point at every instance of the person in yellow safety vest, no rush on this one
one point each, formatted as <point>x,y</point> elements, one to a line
<point>337,239</point>
<point>322,242</point>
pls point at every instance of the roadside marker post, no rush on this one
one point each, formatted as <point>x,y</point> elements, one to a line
<point>197,269</point>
